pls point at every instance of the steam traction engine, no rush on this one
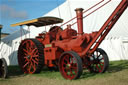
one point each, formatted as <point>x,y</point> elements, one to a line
<point>67,49</point>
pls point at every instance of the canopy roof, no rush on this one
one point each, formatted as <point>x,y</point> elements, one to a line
<point>41,21</point>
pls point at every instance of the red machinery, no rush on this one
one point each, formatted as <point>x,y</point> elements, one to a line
<point>67,49</point>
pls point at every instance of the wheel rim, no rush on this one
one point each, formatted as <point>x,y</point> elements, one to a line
<point>29,56</point>
<point>69,66</point>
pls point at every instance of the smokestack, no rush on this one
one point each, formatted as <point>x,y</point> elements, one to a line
<point>79,14</point>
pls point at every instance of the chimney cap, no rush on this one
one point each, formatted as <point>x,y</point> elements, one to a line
<point>79,9</point>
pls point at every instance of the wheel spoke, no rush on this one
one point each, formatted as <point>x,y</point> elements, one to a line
<point>74,66</point>
<point>71,73</point>
<point>35,61</point>
<point>35,56</point>
<point>30,67</point>
<point>102,63</point>
<point>25,51</point>
<point>34,66</point>
<point>34,51</point>
<point>31,44</point>
<point>98,56</point>
<point>67,68</point>
<point>71,61</point>
<point>25,64</point>
<point>101,59</point>
<point>27,47</point>
<point>26,58</point>
<point>67,58</point>
<point>25,54</point>
<point>31,48</point>
<point>97,67</point>
<point>101,66</point>
<point>64,63</point>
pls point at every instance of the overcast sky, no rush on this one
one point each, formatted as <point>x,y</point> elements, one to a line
<point>13,11</point>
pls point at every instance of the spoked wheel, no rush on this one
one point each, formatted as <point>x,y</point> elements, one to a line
<point>70,65</point>
<point>3,68</point>
<point>98,62</point>
<point>31,56</point>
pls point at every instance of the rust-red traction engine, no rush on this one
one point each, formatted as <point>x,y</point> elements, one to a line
<point>67,49</point>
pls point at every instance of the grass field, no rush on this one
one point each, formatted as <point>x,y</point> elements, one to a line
<point>117,74</point>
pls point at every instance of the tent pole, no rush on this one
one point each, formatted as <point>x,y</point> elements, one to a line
<point>0,32</point>
<point>21,31</point>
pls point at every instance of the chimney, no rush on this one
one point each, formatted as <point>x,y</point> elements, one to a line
<point>79,14</point>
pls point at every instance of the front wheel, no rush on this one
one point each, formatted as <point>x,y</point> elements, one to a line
<point>70,65</point>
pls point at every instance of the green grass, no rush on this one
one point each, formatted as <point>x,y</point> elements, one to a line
<point>49,74</point>
<point>115,75</point>
<point>114,66</point>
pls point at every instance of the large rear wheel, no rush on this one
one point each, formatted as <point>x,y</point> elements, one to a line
<point>70,65</point>
<point>31,56</point>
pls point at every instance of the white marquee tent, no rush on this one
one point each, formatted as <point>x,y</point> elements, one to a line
<point>115,44</point>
